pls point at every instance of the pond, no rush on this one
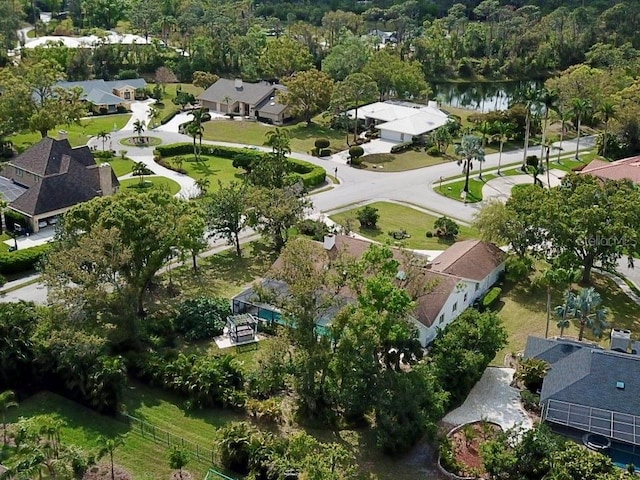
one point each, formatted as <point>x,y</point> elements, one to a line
<point>480,96</point>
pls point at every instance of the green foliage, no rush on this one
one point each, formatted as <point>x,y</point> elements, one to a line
<point>316,229</point>
<point>23,260</point>
<point>531,372</point>
<point>368,217</point>
<point>321,143</point>
<point>17,324</point>
<point>491,298</point>
<point>518,268</point>
<point>267,411</point>
<point>530,401</point>
<point>202,317</point>
<point>355,153</point>
<point>401,147</point>
<point>446,228</point>
<point>463,350</point>
<point>178,458</point>
<point>273,364</point>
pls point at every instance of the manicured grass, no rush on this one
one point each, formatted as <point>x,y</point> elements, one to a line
<point>119,166</point>
<point>400,162</point>
<point>523,310</point>
<point>253,133</point>
<point>134,142</point>
<point>143,458</point>
<point>166,105</point>
<point>78,134</point>
<point>394,217</point>
<point>454,190</point>
<point>211,168</point>
<point>150,183</point>
<point>223,274</point>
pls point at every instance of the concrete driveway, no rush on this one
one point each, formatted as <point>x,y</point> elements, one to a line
<point>492,399</point>
<point>501,187</point>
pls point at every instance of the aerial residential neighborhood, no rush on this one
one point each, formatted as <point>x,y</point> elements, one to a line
<point>286,240</point>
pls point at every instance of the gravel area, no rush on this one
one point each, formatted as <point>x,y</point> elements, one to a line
<point>492,399</point>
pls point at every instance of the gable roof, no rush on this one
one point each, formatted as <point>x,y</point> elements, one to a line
<point>251,93</point>
<point>470,259</point>
<point>405,117</point>
<point>587,375</point>
<point>623,169</point>
<point>68,176</point>
<point>100,92</point>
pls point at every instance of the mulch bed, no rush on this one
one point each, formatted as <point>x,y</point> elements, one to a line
<point>186,475</point>
<point>467,451</point>
<point>102,471</point>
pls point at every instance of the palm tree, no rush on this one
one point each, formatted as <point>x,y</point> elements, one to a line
<point>607,112</point>
<point>504,133</point>
<point>563,115</point>
<point>485,129</point>
<point>586,307</point>
<point>139,170</point>
<point>279,142</point>
<point>470,148</point>
<point>50,428</point>
<point>154,113</point>
<point>178,161</point>
<point>108,446</point>
<point>7,401</point>
<point>549,99</point>
<point>104,136</point>
<point>138,128</point>
<point>195,130</point>
<point>528,96</point>
<point>203,185</point>
<point>579,108</point>
<point>554,278</point>
<point>197,119</point>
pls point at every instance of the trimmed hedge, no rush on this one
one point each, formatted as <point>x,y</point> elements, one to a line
<point>310,174</point>
<point>22,260</point>
<point>401,147</point>
<point>167,118</point>
<point>491,298</point>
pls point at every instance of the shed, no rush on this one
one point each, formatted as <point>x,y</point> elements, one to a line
<point>242,328</point>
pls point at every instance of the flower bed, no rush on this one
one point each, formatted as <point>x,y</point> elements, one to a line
<point>460,452</point>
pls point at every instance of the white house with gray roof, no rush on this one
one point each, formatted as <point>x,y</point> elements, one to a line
<point>253,100</point>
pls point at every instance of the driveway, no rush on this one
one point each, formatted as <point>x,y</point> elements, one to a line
<point>501,187</point>
<point>374,146</point>
<point>492,399</point>
<point>139,111</point>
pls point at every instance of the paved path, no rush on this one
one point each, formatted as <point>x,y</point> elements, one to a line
<point>493,399</point>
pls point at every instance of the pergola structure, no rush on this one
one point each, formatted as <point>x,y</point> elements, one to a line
<point>242,328</point>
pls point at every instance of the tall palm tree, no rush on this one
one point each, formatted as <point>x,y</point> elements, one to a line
<point>555,278</point>
<point>470,148</point>
<point>203,185</point>
<point>138,128</point>
<point>528,96</point>
<point>104,136</point>
<point>579,107</point>
<point>607,112</point>
<point>279,141</point>
<point>139,170</point>
<point>195,130</point>
<point>485,129</point>
<point>586,307</point>
<point>7,401</point>
<point>563,115</point>
<point>198,115</point>
<point>503,133</point>
<point>108,446</point>
<point>154,113</point>
<point>549,100</point>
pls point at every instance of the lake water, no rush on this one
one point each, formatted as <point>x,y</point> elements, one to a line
<point>481,96</point>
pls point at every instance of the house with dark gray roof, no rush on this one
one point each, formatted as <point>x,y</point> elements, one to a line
<point>253,100</point>
<point>589,389</point>
<point>51,177</point>
<point>108,95</point>
<point>440,296</point>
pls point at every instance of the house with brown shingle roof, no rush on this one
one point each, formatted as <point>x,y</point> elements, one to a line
<point>50,177</point>
<point>442,289</point>
<point>623,169</point>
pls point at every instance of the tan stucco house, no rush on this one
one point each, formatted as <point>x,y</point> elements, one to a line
<point>108,95</point>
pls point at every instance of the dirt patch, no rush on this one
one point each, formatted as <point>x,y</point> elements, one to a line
<point>466,443</point>
<point>186,475</point>
<point>102,471</point>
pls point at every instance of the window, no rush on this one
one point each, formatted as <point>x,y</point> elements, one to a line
<point>127,95</point>
<point>465,297</point>
<point>19,172</point>
<point>477,286</point>
<point>441,319</point>
<point>455,307</point>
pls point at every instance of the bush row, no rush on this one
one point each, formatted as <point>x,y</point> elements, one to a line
<point>311,175</point>
<point>22,260</point>
<point>491,298</point>
<point>167,118</point>
<point>401,147</point>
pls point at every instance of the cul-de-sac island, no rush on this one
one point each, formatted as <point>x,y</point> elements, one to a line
<point>319,240</point>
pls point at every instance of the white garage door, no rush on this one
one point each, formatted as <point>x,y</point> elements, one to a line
<point>390,135</point>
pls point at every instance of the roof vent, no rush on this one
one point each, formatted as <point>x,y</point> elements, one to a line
<point>238,83</point>
<point>620,385</point>
<point>329,241</point>
<point>401,275</point>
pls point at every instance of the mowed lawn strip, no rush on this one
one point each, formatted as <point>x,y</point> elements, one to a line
<point>394,217</point>
<point>210,167</point>
<point>78,134</point>
<point>119,166</point>
<point>150,182</point>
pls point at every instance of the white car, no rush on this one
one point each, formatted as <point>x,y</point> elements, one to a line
<point>42,224</point>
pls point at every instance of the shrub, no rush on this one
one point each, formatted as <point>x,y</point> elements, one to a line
<point>162,162</point>
<point>313,228</point>
<point>268,411</point>
<point>433,151</point>
<point>106,155</point>
<point>530,401</point>
<point>12,217</point>
<point>401,147</point>
<point>325,152</point>
<point>531,372</point>
<point>491,298</point>
<point>22,260</point>
<point>168,117</point>
<point>321,143</point>
<point>429,234</point>
<point>127,74</point>
<point>356,152</point>
<point>517,268</point>
<point>446,228</point>
<point>368,217</point>
<point>202,317</point>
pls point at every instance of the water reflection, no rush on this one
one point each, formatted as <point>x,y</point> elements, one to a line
<point>482,96</point>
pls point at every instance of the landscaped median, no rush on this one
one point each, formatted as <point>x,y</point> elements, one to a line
<point>312,175</point>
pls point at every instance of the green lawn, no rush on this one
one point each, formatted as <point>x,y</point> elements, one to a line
<point>394,217</point>
<point>119,166</point>
<point>400,162</point>
<point>210,167</point>
<point>523,310</point>
<point>166,106</point>
<point>254,133</point>
<point>151,182</point>
<point>78,134</point>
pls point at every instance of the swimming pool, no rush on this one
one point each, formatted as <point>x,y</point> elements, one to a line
<point>623,454</point>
